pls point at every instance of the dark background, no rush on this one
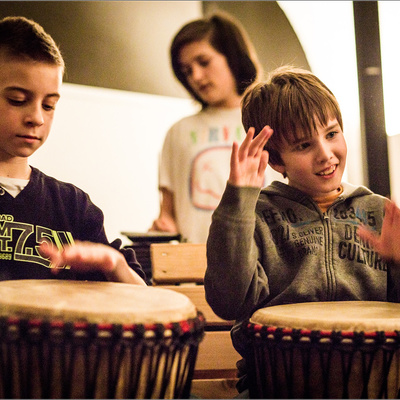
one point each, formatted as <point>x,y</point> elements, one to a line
<point>125,44</point>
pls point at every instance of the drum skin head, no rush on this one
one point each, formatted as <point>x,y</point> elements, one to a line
<point>354,316</point>
<point>93,302</point>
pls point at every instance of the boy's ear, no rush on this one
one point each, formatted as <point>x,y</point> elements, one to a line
<point>278,168</point>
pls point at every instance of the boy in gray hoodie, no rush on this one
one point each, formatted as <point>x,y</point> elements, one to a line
<point>295,242</point>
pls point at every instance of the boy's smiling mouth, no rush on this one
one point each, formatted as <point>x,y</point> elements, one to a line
<point>328,171</point>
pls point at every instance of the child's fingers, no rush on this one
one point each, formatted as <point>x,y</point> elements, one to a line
<point>259,142</point>
<point>234,154</point>
<point>263,163</point>
<point>267,133</point>
<point>245,146</point>
<point>51,252</point>
<point>396,212</point>
<point>389,212</point>
<point>392,213</point>
<point>366,235</point>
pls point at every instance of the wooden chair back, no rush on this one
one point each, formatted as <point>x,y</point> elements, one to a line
<point>174,263</point>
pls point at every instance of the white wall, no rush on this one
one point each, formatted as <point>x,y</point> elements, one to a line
<point>107,143</point>
<point>389,31</point>
<point>389,12</point>
<point>394,166</point>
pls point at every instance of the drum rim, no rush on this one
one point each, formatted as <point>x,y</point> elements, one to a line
<point>189,326</point>
<point>255,328</point>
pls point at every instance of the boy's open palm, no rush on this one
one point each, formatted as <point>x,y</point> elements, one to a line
<point>249,161</point>
<point>387,244</point>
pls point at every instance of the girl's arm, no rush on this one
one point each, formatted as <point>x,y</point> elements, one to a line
<point>166,220</point>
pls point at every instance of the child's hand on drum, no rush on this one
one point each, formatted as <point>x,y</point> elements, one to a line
<point>81,256</point>
<point>387,244</point>
<point>88,256</point>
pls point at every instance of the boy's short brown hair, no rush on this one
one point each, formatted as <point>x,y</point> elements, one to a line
<point>22,38</point>
<point>290,101</point>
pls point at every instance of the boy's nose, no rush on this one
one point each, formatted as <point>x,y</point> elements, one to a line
<point>34,116</point>
<point>324,152</point>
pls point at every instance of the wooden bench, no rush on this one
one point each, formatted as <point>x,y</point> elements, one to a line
<point>181,267</point>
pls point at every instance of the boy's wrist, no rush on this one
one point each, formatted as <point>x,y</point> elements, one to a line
<point>240,199</point>
<point>122,272</point>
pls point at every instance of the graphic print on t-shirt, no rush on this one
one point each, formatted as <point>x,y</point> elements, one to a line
<point>208,176</point>
<point>19,241</point>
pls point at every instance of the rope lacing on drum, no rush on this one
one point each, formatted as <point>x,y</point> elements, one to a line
<point>96,341</point>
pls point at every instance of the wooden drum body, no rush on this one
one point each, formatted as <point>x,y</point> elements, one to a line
<point>70,339</point>
<point>348,349</point>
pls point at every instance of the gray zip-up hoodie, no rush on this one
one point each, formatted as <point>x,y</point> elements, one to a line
<point>289,251</point>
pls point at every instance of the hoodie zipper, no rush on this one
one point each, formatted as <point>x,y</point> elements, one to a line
<point>328,258</point>
<point>329,251</point>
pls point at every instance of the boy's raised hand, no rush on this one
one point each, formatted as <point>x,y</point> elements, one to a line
<point>387,244</point>
<point>249,161</point>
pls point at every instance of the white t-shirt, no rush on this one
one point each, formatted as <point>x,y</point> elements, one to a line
<point>195,164</point>
<point>12,185</point>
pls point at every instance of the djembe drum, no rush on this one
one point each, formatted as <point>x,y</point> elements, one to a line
<point>346,349</point>
<point>75,339</point>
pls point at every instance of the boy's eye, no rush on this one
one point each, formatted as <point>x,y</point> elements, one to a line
<point>302,146</point>
<point>332,134</point>
<point>16,102</point>
<point>49,107</point>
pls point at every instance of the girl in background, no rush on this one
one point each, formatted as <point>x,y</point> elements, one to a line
<point>215,62</point>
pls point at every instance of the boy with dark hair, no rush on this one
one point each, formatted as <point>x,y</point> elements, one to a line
<point>295,242</point>
<point>47,227</point>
